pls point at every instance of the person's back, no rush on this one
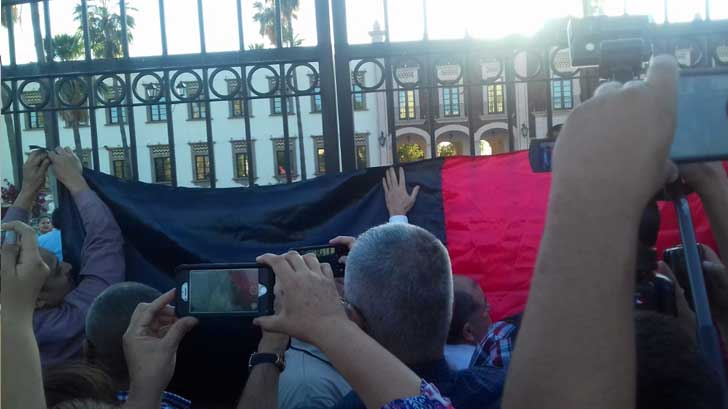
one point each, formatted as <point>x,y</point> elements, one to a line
<point>399,289</point>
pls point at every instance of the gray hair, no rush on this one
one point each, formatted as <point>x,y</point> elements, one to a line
<point>398,276</point>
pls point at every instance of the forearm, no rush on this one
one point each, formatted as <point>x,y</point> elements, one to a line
<point>22,381</point>
<point>261,390</point>
<point>566,357</point>
<point>374,373</point>
<point>715,202</point>
<point>102,253</point>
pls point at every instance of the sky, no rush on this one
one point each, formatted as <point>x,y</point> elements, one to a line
<point>446,19</point>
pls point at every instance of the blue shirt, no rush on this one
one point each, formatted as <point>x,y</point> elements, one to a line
<point>51,241</point>
<point>476,388</point>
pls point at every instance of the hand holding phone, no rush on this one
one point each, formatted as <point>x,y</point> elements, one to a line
<point>328,254</point>
<point>308,307</point>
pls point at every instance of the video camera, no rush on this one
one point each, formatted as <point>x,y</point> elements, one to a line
<point>620,47</point>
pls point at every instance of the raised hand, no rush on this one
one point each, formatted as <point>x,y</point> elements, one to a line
<point>307,302</point>
<point>150,347</point>
<point>619,140</point>
<point>68,169</point>
<point>23,271</point>
<point>399,202</point>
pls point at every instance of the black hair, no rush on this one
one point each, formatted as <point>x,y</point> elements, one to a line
<point>463,306</point>
<point>77,380</point>
<point>107,320</point>
<point>56,218</point>
<point>671,371</point>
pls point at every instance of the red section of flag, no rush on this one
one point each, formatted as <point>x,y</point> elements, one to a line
<point>495,208</point>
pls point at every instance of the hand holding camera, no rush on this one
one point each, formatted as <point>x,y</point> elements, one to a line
<point>307,303</point>
<point>23,271</point>
<point>639,115</point>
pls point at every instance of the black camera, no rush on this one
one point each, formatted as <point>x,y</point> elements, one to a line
<point>675,258</point>
<point>653,291</point>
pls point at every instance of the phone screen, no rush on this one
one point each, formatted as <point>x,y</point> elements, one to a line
<point>224,291</point>
<point>702,117</point>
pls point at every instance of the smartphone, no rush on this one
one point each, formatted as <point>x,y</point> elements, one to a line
<point>702,116</point>
<point>37,148</point>
<point>224,290</point>
<point>328,254</point>
<point>702,122</point>
<point>675,258</point>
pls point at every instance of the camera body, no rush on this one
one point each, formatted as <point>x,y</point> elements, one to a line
<point>675,258</point>
<point>327,254</point>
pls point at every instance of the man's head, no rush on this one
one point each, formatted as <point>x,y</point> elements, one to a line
<point>470,312</point>
<point>44,224</point>
<point>671,371</point>
<point>58,284</point>
<point>106,323</point>
<point>399,286</point>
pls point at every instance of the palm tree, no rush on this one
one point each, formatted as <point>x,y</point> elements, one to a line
<point>105,35</point>
<point>68,47</point>
<point>5,20</point>
<point>265,15</point>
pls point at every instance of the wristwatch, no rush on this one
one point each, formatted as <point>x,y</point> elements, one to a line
<point>277,359</point>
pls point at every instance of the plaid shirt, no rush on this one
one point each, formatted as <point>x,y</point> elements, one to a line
<point>496,348</point>
<point>169,400</point>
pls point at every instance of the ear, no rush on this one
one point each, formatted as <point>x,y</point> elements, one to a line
<point>468,335</point>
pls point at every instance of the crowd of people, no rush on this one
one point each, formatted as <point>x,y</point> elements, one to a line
<point>400,331</point>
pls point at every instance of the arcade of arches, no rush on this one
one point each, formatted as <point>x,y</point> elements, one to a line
<point>412,147</point>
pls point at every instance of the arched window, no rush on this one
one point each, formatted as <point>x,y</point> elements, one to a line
<point>410,152</point>
<point>485,148</point>
<point>446,149</point>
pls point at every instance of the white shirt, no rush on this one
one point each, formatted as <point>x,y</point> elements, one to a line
<point>309,380</point>
<point>458,355</point>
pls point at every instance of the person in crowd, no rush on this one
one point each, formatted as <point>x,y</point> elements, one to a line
<point>470,322</point>
<point>61,307</point>
<point>590,359</point>
<point>496,349</point>
<point>107,320</point>
<point>77,380</point>
<point>310,381</point>
<point>44,225</point>
<point>51,241</point>
<point>22,273</point>
<point>307,307</point>
<point>398,288</point>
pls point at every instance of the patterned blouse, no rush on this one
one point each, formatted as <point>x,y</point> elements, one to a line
<point>429,398</point>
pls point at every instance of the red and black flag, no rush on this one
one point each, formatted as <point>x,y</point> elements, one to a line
<point>489,211</point>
